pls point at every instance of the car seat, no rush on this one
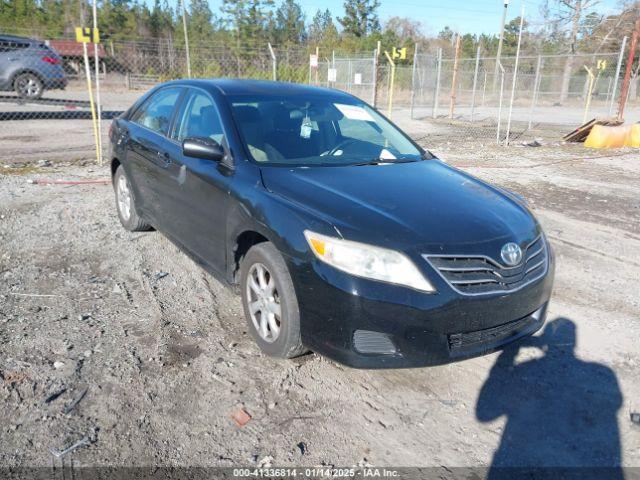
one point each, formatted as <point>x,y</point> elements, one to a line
<point>285,136</point>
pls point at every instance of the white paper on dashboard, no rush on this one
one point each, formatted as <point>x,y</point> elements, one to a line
<point>353,112</point>
<point>387,155</point>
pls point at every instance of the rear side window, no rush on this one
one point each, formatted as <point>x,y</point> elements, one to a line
<point>155,114</point>
<point>11,45</point>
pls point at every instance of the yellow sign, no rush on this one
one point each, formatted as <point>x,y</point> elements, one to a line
<point>87,35</point>
<point>400,53</point>
<point>602,64</point>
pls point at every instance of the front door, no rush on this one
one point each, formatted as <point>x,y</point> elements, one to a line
<point>198,190</point>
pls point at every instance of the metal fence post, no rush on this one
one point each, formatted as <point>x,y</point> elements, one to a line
<point>501,68</point>
<point>274,64</point>
<point>515,76</point>
<point>413,81</point>
<point>592,79</point>
<point>484,87</point>
<point>617,77</point>
<point>536,86</point>
<point>186,37</point>
<point>376,55</point>
<point>436,95</point>
<point>475,83</point>
<point>318,55</point>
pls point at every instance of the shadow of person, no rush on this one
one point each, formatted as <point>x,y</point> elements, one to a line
<point>561,411</point>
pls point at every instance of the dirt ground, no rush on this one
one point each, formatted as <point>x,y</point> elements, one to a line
<point>165,357</point>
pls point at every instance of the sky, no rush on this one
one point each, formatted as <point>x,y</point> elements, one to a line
<point>464,16</point>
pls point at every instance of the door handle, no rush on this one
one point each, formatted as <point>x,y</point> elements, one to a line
<point>165,157</point>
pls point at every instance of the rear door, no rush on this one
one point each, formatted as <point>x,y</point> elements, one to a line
<point>147,152</point>
<point>198,190</point>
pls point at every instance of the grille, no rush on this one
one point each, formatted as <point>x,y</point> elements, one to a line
<point>481,275</point>
<point>492,336</point>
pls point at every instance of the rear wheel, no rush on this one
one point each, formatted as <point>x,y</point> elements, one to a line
<point>28,86</point>
<point>127,212</point>
<point>270,302</point>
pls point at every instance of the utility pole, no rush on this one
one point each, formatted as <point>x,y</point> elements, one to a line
<point>452,103</point>
<point>499,54</point>
<point>624,93</point>
<point>515,76</point>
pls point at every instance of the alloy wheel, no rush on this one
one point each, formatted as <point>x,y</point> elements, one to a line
<point>124,198</point>
<point>263,300</point>
<point>28,86</point>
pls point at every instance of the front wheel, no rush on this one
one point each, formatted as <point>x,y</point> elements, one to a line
<point>28,86</point>
<point>270,303</point>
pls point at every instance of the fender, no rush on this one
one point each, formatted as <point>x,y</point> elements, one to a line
<point>275,218</point>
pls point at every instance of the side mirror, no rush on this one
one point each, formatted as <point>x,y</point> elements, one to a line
<point>202,147</point>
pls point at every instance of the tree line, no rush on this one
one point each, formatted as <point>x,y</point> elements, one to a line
<point>566,26</point>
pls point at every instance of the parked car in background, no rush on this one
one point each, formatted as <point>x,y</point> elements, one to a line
<point>29,67</point>
<point>344,236</point>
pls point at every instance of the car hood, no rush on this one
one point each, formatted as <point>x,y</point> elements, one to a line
<point>405,205</point>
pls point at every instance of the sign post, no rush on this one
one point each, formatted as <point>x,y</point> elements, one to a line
<point>97,68</point>
<point>85,36</point>
<point>313,65</point>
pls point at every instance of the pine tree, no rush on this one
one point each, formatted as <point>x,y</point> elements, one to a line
<point>361,18</point>
<point>289,23</point>
<point>249,19</point>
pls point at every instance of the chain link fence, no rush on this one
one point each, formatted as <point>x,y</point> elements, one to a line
<point>484,96</point>
<point>355,74</point>
<point>45,106</point>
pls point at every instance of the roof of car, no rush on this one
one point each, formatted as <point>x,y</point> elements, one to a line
<point>16,38</point>
<point>234,86</point>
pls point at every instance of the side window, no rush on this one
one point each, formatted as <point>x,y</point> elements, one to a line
<point>156,113</point>
<point>11,46</point>
<point>199,118</point>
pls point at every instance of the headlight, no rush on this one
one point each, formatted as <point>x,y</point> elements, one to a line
<point>368,261</point>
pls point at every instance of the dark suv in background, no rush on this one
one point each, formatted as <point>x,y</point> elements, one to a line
<point>29,67</point>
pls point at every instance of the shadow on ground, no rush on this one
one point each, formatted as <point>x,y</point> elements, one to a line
<point>561,411</point>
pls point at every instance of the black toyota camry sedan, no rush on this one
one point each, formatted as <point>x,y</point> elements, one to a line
<point>343,235</point>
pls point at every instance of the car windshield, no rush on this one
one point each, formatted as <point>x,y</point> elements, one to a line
<point>318,131</point>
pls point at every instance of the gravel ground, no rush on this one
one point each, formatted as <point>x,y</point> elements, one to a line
<point>162,350</point>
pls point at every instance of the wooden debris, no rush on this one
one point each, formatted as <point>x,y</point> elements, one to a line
<point>582,132</point>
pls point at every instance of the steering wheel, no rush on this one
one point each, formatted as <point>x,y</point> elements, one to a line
<point>341,146</point>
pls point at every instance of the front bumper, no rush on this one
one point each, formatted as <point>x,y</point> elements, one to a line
<point>367,324</point>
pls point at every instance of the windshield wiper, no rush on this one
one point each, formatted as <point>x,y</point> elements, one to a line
<point>382,161</point>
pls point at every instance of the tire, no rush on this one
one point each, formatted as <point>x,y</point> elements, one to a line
<point>286,343</point>
<point>125,203</point>
<point>28,86</point>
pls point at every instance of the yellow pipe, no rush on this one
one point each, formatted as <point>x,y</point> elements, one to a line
<point>91,104</point>
<point>588,102</point>
<point>391,83</point>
